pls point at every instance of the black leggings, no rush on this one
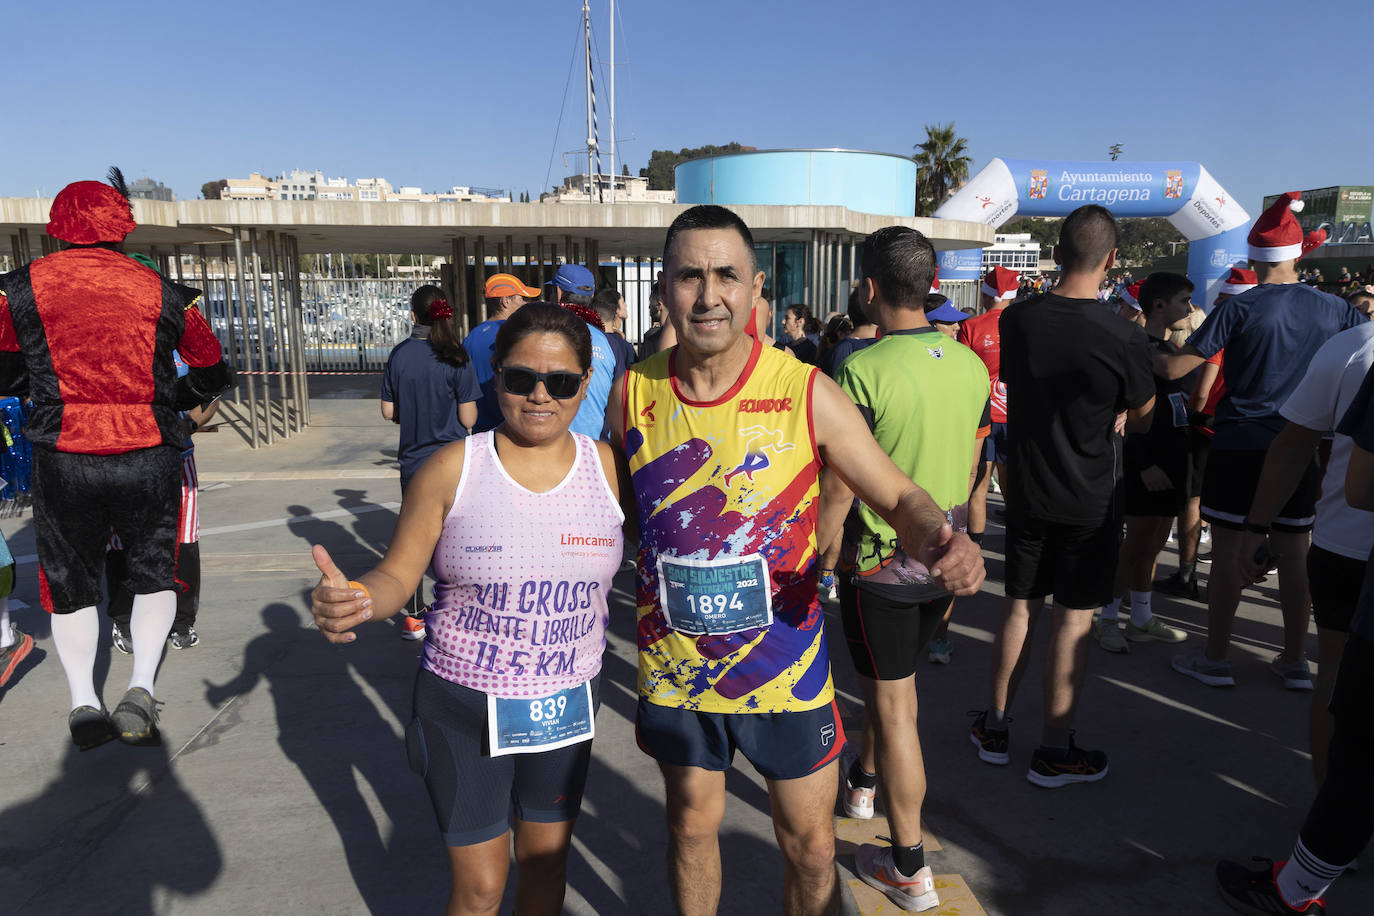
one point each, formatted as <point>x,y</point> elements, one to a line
<point>1341,820</point>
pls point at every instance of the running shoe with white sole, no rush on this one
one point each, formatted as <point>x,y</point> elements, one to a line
<point>121,640</point>
<point>413,627</point>
<point>1255,891</point>
<point>874,865</point>
<point>1295,675</point>
<point>858,801</point>
<point>1155,630</point>
<point>1050,770</point>
<point>992,744</point>
<point>1201,668</point>
<point>184,639</point>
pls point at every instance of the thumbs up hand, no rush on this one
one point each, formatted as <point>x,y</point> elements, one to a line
<point>337,605</point>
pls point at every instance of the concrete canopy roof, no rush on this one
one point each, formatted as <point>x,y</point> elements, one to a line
<point>620,230</point>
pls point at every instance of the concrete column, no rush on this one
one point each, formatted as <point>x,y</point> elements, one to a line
<point>510,254</point>
<point>262,336</point>
<point>814,265</point>
<point>240,315</point>
<point>479,263</point>
<point>539,278</point>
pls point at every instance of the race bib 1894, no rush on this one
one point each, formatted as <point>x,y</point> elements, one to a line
<point>715,597</point>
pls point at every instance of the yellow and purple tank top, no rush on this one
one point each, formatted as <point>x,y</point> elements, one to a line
<point>729,619</point>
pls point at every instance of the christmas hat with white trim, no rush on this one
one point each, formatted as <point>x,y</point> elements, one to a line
<point>1238,281</point>
<point>1000,283</point>
<point>1276,235</point>
<point>935,283</point>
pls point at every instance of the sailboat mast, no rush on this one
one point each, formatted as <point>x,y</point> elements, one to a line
<point>613,172</point>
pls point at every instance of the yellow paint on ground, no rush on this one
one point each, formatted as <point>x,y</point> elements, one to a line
<point>955,899</point>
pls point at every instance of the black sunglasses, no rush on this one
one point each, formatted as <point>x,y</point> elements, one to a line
<point>559,385</point>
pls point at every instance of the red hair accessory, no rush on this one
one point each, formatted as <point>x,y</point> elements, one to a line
<point>88,212</point>
<point>439,309</point>
<point>586,313</point>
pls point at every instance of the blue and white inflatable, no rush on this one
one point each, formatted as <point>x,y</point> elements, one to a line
<point>1183,192</point>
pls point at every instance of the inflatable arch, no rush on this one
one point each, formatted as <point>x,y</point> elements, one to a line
<point>1184,192</point>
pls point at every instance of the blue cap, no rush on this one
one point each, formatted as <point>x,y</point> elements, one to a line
<point>575,279</point>
<point>947,313</point>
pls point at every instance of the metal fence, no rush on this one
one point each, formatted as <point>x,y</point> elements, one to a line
<point>352,324</point>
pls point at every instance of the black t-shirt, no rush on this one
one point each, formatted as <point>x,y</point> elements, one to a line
<point>1166,442</point>
<point>1070,367</point>
<point>1358,424</point>
<point>648,344</point>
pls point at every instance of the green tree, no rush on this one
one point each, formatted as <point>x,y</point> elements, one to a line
<point>211,189</point>
<point>1144,241</point>
<point>941,166</point>
<point>1044,231</point>
<point>625,170</point>
<point>662,162</point>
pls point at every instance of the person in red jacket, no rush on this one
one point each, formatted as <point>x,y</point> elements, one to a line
<point>97,330</point>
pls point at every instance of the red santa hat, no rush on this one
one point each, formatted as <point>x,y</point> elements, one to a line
<point>88,212</point>
<point>1131,295</point>
<point>935,283</point>
<point>1314,239</point>
<point>1276,235</point>
<point>1000,283</point>
<point>1238,281</point>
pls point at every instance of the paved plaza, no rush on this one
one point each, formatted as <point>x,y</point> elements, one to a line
<point>282,785</point>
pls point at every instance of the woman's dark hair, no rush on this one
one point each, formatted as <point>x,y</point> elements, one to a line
<point>443,339</point>
<point>856,307</point>
<point>835,328</point>
<point>542,318</point>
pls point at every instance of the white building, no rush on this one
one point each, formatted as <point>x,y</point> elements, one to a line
<point>299,185</point>
<point>373,189</point>
<point>334,189</point>
<point>1019,252</point>
<point>629,189</point>
<point>254,187</point>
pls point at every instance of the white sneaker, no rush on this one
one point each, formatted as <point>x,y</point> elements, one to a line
<point>857,801</point>
<point>875,867</point>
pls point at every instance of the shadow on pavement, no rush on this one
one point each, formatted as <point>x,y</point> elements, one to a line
<point>163,841</point>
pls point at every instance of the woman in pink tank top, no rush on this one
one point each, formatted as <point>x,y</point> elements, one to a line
<point>522,529</point>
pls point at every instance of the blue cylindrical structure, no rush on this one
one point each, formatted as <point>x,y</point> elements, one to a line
<point>881,183</point>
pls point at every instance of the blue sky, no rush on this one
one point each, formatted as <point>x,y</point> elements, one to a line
<point>1266,96</point>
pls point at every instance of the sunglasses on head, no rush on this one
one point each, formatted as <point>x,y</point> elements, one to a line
<point>559,385</point>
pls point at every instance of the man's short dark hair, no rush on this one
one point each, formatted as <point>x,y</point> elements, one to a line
<point>901,263</point>
<point>574,298</point>
<point>493,305</point>
<point>1161,286</point>
<point>1087,235</point>
<point>934,301</point>
<point>606,301</point>
<point>711,216</point>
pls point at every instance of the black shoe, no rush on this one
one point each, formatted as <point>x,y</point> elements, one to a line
<point>1252,890</point>
<point>90,727</point>
<point>1180,587</point>
<point>992,744</point>
<point>184,639</point>
<point>1052,769</point>
<point>135,719</point>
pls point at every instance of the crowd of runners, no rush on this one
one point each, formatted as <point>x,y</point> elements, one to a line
<point>754,478</point>
<point>854,459</point>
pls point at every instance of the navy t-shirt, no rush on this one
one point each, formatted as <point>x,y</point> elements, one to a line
<point>1358,424</point>
<point>426,392</point>
<point>838,353</point>
<point>480,344</point>
<point>1270,334</point>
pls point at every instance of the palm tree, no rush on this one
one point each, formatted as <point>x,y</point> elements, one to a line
<point>941,166</point>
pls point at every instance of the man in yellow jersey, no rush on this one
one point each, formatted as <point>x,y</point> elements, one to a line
<point>926,399</point>
<point>726,439</point>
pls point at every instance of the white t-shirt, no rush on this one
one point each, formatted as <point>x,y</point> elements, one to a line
<point>1320,400</point>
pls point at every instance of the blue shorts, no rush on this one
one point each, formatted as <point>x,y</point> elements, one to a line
<point>995,445</point>
<point>781,745</point>
<point>475,794</point>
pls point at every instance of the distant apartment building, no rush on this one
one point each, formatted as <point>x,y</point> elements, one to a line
<point>631,189</point>
<point>147,189</point>
<point>299,185</point>
<point>467,193</point>
<point>372,189</point>
<point>335,189</point>
<point>254,187</point>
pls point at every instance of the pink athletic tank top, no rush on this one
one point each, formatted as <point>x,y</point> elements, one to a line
<point>523,578</point>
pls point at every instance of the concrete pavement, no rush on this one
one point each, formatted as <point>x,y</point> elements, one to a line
<point>282,785</point>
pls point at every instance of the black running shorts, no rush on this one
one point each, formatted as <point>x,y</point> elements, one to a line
<point>886,636</point>
<point>78,498</point>
<point>1075,563</point>
<point>1230,484</point>
<point>1334,582</point>
<point>473,793</point>
<point>780,745</point>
